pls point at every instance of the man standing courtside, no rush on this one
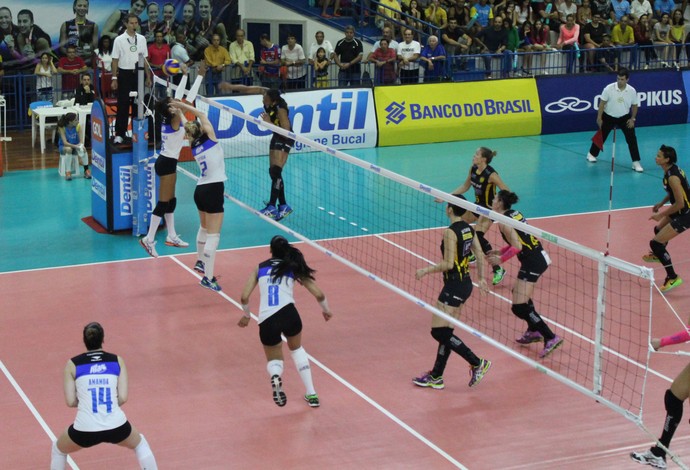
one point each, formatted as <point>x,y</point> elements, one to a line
<point>126,49</point>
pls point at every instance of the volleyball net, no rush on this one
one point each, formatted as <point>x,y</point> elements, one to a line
<point>386,226</point>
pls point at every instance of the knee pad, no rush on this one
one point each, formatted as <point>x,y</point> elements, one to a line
<point>442,335</point>
<point>161,208</point>
<point>657,247</point>
<point>521,311</point>
<point>172,204</point>
<point>275,171</point>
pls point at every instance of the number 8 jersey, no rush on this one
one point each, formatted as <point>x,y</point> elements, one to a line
<point>97,374</point>
<point>274,296</point>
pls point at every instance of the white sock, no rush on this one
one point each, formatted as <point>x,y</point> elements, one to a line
<point>170,224</point>
<point>299,356</point>
<point>153,227</point>
<point>275,367</point>
<point>212,240</point>
<point>58,460</point>
<point>200,243</point>
<point>146,459</point>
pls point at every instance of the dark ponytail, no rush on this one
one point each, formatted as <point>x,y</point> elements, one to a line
<point>291,260</point>
<point>507,198</point>
<point>93,336</point>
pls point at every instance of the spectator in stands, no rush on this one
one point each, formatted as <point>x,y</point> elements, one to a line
<point>216,58</point>
<point>159,52</point>
<point>116,23</point>
<point>603,7</point>
<point>484,13</point>
<point>85,93</point>
<point>643,38</point>
<point>661,38</point>
<point>270,62</point>
<point>44,72</point>
<point>179,53</point>
<point>493,41</point>
<point>292,56</point>
<point>619,8</point>
<point>384,59</point>
<point>677,35</point>
<point>525,45</point>
<point>593,35</point>
<point>415,18</point>
<point>408,58</point>
<point>539,41</point>
<point>321,41</point>
<point>170,25</point>
<point>151,25</point>
<point>436,15</point>
<point>584,15</point>
<point>388,10</point>
<point>70,67</point>
<point>79,31</point>
<point>103,54</point>
<point>622,33</point>
<point>433,59</point>
<point>551,17</point>
<point>606,57</point>
<point>347,55</point>
<point>336,8</point>
<point>460,10</point>
<point>388,36</point>
<point>663,6</point>
<point>321,64</point>
<point>639,8</point>
<point>568,41</point>
<point>242,57</point>
<point>505,10</point>
<point>512,46</point>
<point>565,8</point>
<point>32,41</point>
<point>523,12</point>
<point>456,42</point>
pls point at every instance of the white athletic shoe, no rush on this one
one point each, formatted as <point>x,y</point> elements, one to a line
<point>118,140</point>
<point>176,242</point>
<point>149,246</point>
<point>647,458</point>
<point>637,167</point>
<point>591,158</point>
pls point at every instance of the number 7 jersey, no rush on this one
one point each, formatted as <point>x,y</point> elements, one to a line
<point>97,374</point>
<point>274,295</point>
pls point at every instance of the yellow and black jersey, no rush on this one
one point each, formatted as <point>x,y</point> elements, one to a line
<point>675,171</point>
<point>484,191</point>
<point>528,243</point>
<point>461,263</point>
<point>272,112</point>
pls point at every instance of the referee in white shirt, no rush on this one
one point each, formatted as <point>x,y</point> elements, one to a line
<point>618,108</point>
<point>126,49</point>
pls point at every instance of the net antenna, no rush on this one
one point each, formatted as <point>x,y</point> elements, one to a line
<point>385,226</point>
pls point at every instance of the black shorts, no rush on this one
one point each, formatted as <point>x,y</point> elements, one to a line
<point>92,438</point>
<point>165,165</point>
<point>455,293</point>
<point>533,266</point>
<point>285,321</point>
<point>209,197</point>
<point>278,142</point>
<point>680,222</point>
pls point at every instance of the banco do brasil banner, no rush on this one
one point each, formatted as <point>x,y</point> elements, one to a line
<point>446,112</point>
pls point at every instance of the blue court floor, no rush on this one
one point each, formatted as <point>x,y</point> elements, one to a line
<point>41,214</point>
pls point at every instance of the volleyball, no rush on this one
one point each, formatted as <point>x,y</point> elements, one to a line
<point>171,67</point>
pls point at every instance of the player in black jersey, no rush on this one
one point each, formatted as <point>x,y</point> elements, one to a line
<point>485,181</point>
<point>674,219</point>
<point>457,245</point>
<point>534,261</point>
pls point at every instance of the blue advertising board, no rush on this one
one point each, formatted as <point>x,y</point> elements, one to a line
<point>570,103</point>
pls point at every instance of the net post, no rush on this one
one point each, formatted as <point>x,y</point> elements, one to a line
<point>143,192</point>
<point>599,328</point>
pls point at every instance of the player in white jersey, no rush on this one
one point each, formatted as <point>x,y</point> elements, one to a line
<point>172,141</point>
<point>208,194</point>
<point>95,383</point>
<point>277,314</point>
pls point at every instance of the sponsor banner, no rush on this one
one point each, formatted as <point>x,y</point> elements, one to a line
<point>98,160</point>
<point>341,119</point>
<point>570,103</point>
<point>127,194</point>
<point>686,82</point>
<point>99,194</point>
<point>98,188</point>
<point>457,111</point>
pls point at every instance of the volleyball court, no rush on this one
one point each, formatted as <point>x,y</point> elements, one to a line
<point>200,393</point>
